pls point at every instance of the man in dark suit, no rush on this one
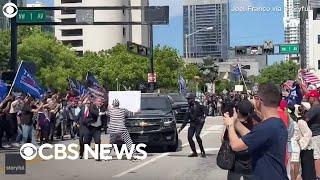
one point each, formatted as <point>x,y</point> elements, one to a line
<point>90,124</point>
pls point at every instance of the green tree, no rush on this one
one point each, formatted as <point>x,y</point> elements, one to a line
<point>279,72</point>
<point>209,70</point>
<point>55,62</point>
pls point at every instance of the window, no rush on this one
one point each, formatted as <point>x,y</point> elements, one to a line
<point>124,32</point>
<point>79,53</point>
<point>318,39</point>
<point>71,1</point>
<point>68,20</point>
<point>68,11</point>
<point>72,32</point>
<point>73,43</point>
<point>318,64</point>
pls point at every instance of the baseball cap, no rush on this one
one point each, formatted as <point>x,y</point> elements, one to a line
<point>314,94</point>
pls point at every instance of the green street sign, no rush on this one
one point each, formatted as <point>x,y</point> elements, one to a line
<point>32,16</point>
<point>289,49</point>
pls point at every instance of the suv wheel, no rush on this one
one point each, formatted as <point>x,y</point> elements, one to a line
<point>173,148</point>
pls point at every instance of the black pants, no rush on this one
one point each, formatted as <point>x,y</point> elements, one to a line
<point>13,124</point>
<point>195,129</point>
<point>307,165</point>
<point>236,176</point>
<point>87,134</point>
<point>83,130</point>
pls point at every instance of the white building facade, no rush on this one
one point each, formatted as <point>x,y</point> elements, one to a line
<point>313,37</point>
<point>291,21</point>
<point>101,37</point>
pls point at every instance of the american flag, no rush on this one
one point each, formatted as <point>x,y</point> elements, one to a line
<point>309,78</point>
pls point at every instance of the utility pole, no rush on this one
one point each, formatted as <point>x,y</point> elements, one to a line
<point>151,55</point>
<point>14,41</point>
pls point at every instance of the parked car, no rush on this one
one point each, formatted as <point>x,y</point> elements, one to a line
<point>180,105</point>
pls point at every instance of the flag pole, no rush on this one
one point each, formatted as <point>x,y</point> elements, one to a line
<point>245,85</point>
<point>14,81</point>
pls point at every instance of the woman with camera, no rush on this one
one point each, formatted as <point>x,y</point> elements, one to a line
<point>242,165</point>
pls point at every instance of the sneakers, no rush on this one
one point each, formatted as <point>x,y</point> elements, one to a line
<point>193,155</point>
<point>16,145</point>
<point>134,159</point>
<point>7,146</point>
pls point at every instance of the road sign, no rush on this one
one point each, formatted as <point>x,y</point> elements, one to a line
<point>138,49</point>
<point>152,77</point>
<point>32,16</point>
<point>289,49</point>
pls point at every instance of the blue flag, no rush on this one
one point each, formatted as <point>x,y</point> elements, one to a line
<point>93,86</point>
<point>77,87</point>
<point>295,96</point>
<point>237,70</point>
<point>182,85</point>
<point>27,83</point>
<point>3,90</point>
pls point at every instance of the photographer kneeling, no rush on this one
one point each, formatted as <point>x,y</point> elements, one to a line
<point>266,142</point>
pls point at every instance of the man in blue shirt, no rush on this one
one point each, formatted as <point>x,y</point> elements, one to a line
<point>267,141</point>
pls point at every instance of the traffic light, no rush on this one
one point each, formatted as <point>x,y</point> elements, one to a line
<point>268,47</point>
<point>138,49</point>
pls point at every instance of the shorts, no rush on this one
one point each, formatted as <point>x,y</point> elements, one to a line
<point>295,157</point>
<point>316,147</point>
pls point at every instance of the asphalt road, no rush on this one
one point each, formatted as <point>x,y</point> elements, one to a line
<point>159,165</point>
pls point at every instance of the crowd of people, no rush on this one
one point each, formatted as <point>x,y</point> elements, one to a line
<point>56,117</point>
<point>274,133</point>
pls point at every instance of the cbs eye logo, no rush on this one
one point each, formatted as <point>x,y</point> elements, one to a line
<point>10,10</point>
<point>28,151</point>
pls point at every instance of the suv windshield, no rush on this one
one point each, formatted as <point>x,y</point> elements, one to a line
<point>178,98</point>
<point>155,103</point>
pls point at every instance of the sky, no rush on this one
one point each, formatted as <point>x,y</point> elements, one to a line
<point>246,28</point>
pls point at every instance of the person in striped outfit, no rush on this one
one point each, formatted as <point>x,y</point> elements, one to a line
<point>116,127</point>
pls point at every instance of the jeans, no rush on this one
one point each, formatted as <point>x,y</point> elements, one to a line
<point>28,132</point>
<point>19,135</point>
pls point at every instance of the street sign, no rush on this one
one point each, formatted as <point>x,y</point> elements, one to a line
<point>152,77</point>
<point>289,49</point>
<point>156,15</point>
<point>32,16</point>
<point>138,49</point>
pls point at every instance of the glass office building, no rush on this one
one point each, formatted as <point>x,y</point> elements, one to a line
<point>199,15</point>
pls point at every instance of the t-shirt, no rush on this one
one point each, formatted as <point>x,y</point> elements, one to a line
<point>313,119</point>
<point>267,146</point>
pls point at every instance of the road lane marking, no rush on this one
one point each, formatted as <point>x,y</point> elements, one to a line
<point>141,165</point>
<point>157,158</point>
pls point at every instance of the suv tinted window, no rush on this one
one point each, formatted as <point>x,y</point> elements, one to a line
<point>178,98</point>
<point>155,103</point>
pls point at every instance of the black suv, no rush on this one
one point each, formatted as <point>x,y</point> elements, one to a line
<point>155,125</point>
<point>180,105</point>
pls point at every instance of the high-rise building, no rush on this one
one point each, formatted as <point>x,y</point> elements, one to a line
<point>4,21</point>
<point>210,19</point>
<point>101,37</point>
<point>291,21</point>
<point>312,36</point>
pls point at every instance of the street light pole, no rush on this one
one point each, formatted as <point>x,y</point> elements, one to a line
<point>188,35</point>
<point>14,41</point>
